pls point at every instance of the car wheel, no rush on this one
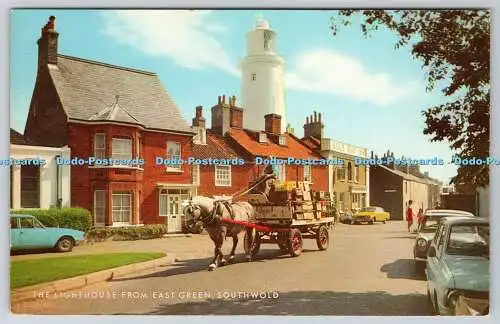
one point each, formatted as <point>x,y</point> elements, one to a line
<point>384,221</point>
<point>65,244</point>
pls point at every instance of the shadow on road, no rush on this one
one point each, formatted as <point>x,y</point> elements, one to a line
<point>404,269</point>
<point>401,237</point>
<point>201,264</point>
<point>307,303</point>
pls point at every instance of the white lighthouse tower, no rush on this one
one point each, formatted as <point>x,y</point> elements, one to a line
<point>263,88</point>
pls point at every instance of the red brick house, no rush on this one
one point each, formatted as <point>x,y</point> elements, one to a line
<point>106,111</point>
<point>229,140</point>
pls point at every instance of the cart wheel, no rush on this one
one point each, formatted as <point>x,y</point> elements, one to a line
<point>295,242</point>
<point>322,238</point>
<point>255,245</point>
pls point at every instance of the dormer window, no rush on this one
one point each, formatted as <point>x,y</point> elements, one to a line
<point>262,137</point>
<point>282,140</point>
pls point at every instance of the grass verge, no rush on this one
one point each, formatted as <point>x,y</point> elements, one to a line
<point>31,272</point>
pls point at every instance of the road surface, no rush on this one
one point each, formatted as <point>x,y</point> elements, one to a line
<point>367,270</point>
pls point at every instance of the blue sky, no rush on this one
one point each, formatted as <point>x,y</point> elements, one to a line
<point>369,94</point>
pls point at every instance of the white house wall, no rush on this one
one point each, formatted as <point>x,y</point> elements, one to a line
<point>48,175</point>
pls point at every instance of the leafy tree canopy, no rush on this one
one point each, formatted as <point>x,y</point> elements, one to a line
<point>454,48</point>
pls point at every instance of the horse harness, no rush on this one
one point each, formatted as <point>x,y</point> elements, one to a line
<point>214,218</point>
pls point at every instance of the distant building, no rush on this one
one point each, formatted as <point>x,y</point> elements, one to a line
<point>392,189</point>
<point>38,186</point>
<point>348,183</point>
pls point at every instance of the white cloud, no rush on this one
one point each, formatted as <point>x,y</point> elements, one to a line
<point>184,36</point>
<point>325,71</point>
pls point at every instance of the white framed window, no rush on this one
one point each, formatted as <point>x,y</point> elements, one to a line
<point>99,207</point>
<point>122,207</point>
<point>100,145</point>
<point>174,154</point>
<point>121,149</point>
<point>171,201</point>
<point>223,175</point>
<point>307,173</point>
<point>262,137</point>
<point>282,140</point>
<point>356,173</point>
<point>349,171</point>
<point>196,175</point>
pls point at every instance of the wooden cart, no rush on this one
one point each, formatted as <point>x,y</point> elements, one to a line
<point>288,216</point>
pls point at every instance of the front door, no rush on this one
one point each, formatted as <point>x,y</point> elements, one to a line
<point>171,208</point>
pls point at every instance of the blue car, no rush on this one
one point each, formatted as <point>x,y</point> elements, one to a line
<point>27,233</point>
<point>458,266</point>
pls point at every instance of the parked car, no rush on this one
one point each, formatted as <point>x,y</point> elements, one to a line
<point>346,217</point>
<point>427,230</point>
<point>27,233</point>
<point>458,263</point>
<point>371,215</point>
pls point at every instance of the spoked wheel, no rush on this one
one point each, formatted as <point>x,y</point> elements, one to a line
<point>322,238</point>
<point>295,242</point>
<point>254,249</point>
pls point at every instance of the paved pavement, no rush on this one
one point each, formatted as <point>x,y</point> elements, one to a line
<point>368,270</point>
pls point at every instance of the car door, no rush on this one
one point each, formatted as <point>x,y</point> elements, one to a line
<point>432,269</point>
<point>32,234</point>
<point>15,239</point>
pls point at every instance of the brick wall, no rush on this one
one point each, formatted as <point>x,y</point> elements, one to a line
<point>47,121</point>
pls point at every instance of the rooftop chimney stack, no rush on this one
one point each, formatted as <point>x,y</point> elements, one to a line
<point>314,126</point>
<point>273,123</point>
<point>47,44</point>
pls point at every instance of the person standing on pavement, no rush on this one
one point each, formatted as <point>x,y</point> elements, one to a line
<point>409,215</point>
<point>420,217</point>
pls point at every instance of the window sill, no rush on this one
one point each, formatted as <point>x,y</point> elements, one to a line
<point>174,171</point>
<point>219,185</point>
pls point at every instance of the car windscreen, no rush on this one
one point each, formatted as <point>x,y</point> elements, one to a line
<point>469,240</point>
<point>429,226</point>
<point>368,209</point>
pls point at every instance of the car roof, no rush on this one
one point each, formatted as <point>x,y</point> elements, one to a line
<point>466,220</point>
<point>447,212</point>
<point>20,215</point>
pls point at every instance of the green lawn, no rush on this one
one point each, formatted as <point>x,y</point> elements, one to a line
<point>31,272</point>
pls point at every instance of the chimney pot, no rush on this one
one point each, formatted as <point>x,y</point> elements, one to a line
<point>315,117</point>
<point>319,118</point>
<point>199,111</point>
<point>307,120</point>
<point>224,99</point>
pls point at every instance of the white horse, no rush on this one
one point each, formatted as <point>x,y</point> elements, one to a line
<point>210,212</point>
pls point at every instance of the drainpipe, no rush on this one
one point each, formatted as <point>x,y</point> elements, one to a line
<point>58,185</point>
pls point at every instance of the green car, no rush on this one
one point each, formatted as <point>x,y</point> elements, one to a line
<point>458,265</point>
<point>27,233</point>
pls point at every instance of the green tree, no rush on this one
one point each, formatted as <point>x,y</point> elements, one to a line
<point>454,48</point>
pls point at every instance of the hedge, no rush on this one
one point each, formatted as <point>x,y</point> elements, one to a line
<point>74,218</point>
<point>145,232</point>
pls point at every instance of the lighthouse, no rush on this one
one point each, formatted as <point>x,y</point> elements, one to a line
<point>263,84</point>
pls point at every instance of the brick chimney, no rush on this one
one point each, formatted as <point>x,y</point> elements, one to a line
<point>199,127</point>
<point>47,44</point>
<point>236,114</point>
<point>221,116</point>
<point>272,123</point>
<point>314,127</point>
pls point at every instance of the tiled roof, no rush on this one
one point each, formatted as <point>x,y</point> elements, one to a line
<point>86,88</point>
<point>311,142</point>
<point>248,141</point>
<point>404,175</point>
<point>216,147</point>
<point>17,138</point>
